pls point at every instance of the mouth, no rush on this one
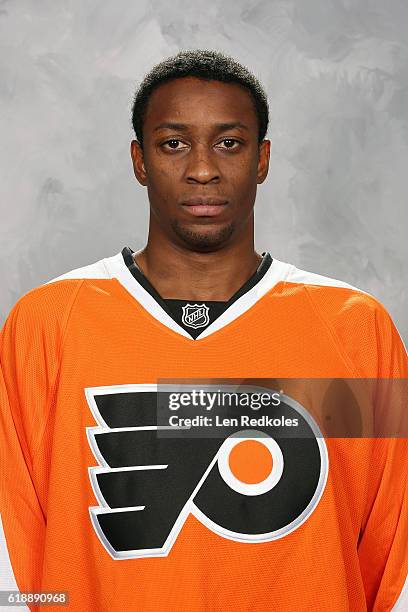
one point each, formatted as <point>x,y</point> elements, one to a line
<point>205,206</point>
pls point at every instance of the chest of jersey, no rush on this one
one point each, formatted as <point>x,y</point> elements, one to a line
<point>179,507</point>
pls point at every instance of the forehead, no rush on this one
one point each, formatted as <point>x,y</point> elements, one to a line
<point>199,102</point>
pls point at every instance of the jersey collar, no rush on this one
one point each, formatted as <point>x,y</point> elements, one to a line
<point>277,271</point>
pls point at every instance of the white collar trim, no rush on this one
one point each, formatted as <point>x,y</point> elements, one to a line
<point>278,271</point>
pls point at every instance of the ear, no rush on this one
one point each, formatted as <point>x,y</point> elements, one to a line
<point>139,169</point>
<point>263,160</point>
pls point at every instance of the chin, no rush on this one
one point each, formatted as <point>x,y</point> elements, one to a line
<point>203,238</point>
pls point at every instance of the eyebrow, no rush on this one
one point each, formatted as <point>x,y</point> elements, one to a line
<point>184,126</point>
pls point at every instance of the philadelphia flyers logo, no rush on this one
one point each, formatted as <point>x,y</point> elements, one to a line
<point>147,485</point>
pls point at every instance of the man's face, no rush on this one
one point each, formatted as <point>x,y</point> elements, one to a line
<point>201,162</point>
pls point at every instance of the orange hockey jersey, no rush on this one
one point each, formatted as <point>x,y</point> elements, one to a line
<point>96,504</point>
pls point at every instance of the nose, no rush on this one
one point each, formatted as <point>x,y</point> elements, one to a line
<point>202,167</point>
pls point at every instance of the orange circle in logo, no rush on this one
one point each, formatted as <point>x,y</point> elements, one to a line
<point>250,461</point>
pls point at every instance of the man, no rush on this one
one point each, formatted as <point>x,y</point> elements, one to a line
<point>95,499</point>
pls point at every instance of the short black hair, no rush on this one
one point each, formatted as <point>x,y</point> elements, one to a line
<point>207,65</point>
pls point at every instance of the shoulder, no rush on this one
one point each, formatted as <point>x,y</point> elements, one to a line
<point>340,302</point>
<point>49,304</point>
<point>332,295</point>
<point>357,320</point>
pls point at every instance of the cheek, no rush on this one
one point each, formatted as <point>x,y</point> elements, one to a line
<point>163,187</point>
<point>161,179</point>
<point>247,164</point>
<point>243,174</point>
<point>165,175</point>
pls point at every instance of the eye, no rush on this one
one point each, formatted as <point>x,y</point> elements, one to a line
<point>230,143</point>
<point>172,144</point>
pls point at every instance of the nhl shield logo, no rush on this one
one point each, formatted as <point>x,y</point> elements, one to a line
<point>195,315</point>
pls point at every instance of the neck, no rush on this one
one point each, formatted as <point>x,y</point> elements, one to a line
<point>178,273</point>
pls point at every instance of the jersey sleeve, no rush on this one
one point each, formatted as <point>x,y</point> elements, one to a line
<point>383,543</point>
<point>22,518</point>
<point>30,345</point>
<point>371,346</point>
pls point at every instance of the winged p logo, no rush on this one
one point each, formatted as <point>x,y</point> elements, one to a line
<point>147,485</point>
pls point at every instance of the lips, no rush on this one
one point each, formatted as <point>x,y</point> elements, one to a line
<point>208,206</point>
<point>204,201</point>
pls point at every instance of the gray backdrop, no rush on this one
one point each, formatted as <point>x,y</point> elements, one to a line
<point>336,72</point>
